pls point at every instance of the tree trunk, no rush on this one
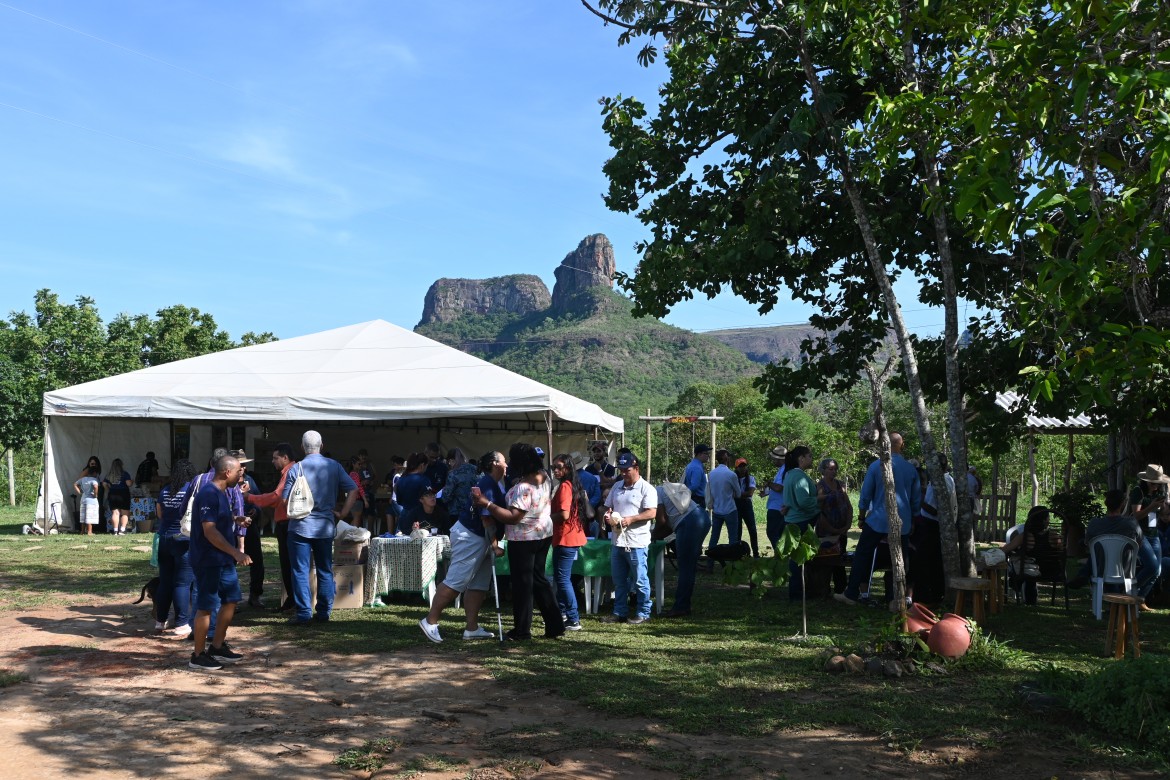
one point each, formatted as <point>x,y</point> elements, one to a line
<point>894,533</point>
<point>878,268</point>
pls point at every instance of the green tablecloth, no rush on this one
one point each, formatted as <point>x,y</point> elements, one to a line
<point>593,560</point>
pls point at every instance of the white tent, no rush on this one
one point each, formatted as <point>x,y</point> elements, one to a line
<point>374,386</point>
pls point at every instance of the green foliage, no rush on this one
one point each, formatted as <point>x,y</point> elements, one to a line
<point>758,572</point>
<point>370,757</point>
<point>1076,506</point>
<point>8,678</point>
<point>67,344</point>
<point>1129,700</point>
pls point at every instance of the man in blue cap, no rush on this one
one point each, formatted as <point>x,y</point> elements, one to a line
<point>631,507</point>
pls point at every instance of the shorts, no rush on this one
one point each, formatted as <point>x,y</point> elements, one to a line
<point>217,585</point>
<point>118,500</point>
<point>90,511</point>
<point>469,568</point>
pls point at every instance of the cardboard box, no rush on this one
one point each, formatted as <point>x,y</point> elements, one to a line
<point>349,583</point>
<point>350,553</point>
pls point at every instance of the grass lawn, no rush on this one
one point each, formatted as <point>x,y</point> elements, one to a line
<point>736,667</point>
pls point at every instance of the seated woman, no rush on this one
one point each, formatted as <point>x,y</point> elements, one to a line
<point>428,513</point>
<point>1038,553</point>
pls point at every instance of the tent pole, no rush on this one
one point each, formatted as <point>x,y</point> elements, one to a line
<point>548,422</point>
<point>45,478</point>
<point>11,479</point>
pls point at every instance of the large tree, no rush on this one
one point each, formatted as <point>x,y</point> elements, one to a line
<point>765,169</point>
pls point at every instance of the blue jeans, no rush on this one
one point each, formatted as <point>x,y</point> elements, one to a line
<point>731,520</point>
<point>563,558</point>
<point>628,567</point>
<point>1149,565</point>
<point>302,550</point>
<point>692,528</point>
<point>174,579</point>
<point>775,528</point>
<point>867,545</point>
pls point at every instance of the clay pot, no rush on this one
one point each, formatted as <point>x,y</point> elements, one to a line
<point>919,620</point>
<point>951,636</point>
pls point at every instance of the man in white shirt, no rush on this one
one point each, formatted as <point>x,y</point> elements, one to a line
<point>631,507</point>
<point>724,488</point>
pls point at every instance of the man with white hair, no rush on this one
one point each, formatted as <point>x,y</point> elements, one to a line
<point>311,537</point>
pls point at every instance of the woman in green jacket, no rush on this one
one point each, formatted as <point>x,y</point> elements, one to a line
<point>801,507</point>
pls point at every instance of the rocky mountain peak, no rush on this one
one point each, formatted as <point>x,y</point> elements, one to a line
<point>591,264</point>
<point>448,300</point>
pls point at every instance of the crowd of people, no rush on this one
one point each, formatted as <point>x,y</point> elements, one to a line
<point>520,506</point>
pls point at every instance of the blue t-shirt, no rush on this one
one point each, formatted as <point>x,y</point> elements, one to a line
<point>325,477</point>
<point>470,518</point>
<point>437,473</point>
<point>907,491</point>
<point>119,488</point>
<point>174,506</point>
<point>695,478</point>
<point>409,490</point>
<point>211,506</point>
<point>592,485</point>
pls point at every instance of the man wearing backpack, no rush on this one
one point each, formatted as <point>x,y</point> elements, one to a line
<point>310,536</point>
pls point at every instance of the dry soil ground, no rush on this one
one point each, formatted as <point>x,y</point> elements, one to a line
<point>106,699</point>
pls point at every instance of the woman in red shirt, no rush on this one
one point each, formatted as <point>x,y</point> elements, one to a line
<point>568,536</point>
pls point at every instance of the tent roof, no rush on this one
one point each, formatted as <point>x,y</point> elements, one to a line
<point>370,371</point>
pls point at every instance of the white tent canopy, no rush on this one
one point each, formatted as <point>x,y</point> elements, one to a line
<point>364,386</point>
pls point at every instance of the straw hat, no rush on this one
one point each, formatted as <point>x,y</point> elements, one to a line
<point>1153,473</point>
<point>778,452</point>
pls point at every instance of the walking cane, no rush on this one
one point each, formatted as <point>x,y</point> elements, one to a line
<point>872,569</point>
<point>496,590</point>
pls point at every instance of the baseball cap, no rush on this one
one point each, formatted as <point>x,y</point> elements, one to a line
<point>741,462</point>
<point>701,448</point>
<point>241,456</point>
<point>627,460</point>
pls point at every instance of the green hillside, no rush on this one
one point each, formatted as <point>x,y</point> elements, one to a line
<point>599,352</point>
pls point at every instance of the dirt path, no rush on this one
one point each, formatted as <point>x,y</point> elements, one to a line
<point>105,699</point>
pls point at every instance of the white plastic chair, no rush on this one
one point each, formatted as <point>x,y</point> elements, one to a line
<point>1112,561</point>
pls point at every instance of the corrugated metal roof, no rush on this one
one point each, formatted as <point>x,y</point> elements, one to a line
<point>1014,402</point>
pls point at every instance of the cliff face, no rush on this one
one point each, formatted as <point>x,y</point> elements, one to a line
<point>450,299</point>
<point>590,265</point>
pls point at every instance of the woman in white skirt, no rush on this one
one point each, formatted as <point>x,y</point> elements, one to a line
<point>87,488</point>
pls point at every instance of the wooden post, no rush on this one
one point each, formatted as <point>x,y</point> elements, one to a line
<point>711,465</point>
<point>1069,465</point>
<point>11,480</point>
<point>648,448</point>
<point>1032,468</point>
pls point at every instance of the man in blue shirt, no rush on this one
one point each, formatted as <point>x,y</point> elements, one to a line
<point>873,518</point>
<point>214,558</point>
<point>695,474</point>
<point>591,484</point>
<point>311,537</point>
<point>725,489</point>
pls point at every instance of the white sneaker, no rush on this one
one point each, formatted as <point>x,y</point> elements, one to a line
<point>479,633</point>
<point>432,632</point>
<point>179,632</point>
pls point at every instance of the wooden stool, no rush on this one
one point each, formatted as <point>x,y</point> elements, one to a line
<point>977,586</point>
<point>1121,620</point>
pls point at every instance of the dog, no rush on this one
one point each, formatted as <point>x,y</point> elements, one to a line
<point>149,589</point>
<point>726,553</point>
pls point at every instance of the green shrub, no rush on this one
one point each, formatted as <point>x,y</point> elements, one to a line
<point>1129,700</point>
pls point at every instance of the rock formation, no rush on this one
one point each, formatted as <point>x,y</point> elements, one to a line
<point>591,264</point>
<point>449,299</point>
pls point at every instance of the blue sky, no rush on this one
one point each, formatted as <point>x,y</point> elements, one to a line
<point>297,166</point>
